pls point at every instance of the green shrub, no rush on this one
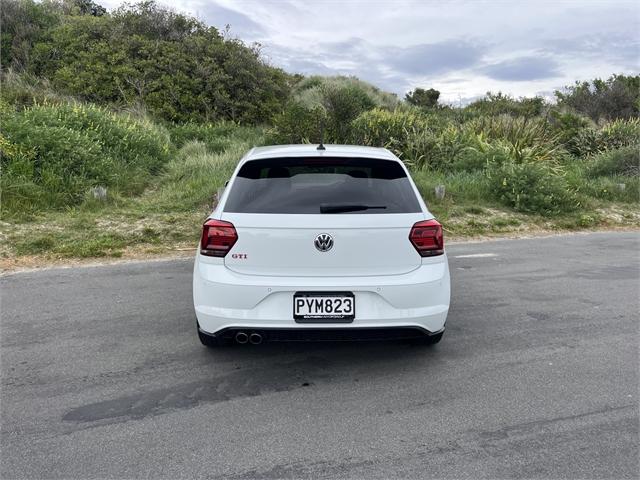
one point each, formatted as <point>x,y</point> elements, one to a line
<point>471,145</point>
<point>52,154</point>
<point>297,124</point>
<point>481,153</point>
<point>216,136</point>
<point>193,177</point>
<point>308,83</point>
<point>175,65</point>
<point>343,104</point>
<point>384,128</point>
<point>25,90</point>
<point>378,127</point>
<point>461,187</point>
<point>310,91</point>
<point>620,133</point>
<point>613,188</point>
<point>502,151</point>
<point>568,126</point>
<point>531,187</point>
<point>518,131</point>
<point>586,220</point>
<point>494,104</point>
<point>54,175</point>
<point>137,143</point>
<point>613,135</point>
<point>616,97</point>
<point>586,142</point>
<point>452,150</point>
<point>327,103</point>
<point>621,161</point>
<point>443,147</point>
<point>419,148</point>
<point>423,98</point>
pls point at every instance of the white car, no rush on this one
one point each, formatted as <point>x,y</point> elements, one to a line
<point>320,243</point>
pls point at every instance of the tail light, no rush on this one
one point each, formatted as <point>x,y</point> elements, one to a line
<point>427,238</point>
<point>218,238</point>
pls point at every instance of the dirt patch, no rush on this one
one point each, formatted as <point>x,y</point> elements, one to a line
<point>131,254</point>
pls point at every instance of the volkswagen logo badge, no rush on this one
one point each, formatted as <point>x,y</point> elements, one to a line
<point>323,242</point>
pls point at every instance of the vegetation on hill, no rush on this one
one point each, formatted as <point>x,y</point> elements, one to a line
<point>617,97</point>
<point>118,128</point>
<point>175,66</point>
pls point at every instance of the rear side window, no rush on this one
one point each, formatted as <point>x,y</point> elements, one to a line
<point>322,185</point>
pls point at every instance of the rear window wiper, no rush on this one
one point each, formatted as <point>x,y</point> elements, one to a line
<point>347,207</point>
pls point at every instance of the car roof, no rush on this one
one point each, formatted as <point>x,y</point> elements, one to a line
<point>311,150</point>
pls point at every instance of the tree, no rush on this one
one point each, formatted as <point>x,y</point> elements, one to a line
<point>617,97</point>
<point>423,98</point>
<point>343,103</point>
<point>89,7</point>
<point>501,104</point>
<point>23,23</point>
<point>173,64</point>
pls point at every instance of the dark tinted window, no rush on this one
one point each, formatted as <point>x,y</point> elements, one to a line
<point>321,185</point>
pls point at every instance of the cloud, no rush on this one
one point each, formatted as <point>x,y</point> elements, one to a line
<point>309,67</point>
<point>296,61</point>
<point>619,47</point>
<point>388,67</point>
<point>434,58</point>
<point>241,25</point>
<point>461,48</point>
<point>522,69</point>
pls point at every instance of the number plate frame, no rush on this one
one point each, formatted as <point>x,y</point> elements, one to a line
<point>324,318</point>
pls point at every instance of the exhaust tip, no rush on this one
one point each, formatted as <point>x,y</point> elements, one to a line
<point>242,337</point>
<point>255,338</point>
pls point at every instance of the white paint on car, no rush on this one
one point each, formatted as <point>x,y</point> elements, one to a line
<point>321,226</point>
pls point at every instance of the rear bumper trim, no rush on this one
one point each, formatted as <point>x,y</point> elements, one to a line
<point>328,334</point>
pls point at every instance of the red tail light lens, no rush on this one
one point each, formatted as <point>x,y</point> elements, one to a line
<point>218,238</point>
<point>427,238</point>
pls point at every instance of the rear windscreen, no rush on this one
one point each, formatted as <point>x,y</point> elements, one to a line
<point>321,185</point>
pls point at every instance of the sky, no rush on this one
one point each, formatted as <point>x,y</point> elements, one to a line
<point>461,48</point>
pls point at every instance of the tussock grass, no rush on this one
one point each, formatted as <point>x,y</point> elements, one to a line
<point>193,178</point>
<point>311,91</point>
<point>505,175</point>
<point>169,212</point>
<point>53,155</point>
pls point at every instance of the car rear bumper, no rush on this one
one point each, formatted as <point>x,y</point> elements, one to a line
<point>417,301</point>
<point>316,334</point>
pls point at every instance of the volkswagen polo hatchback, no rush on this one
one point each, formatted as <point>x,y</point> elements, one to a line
<point>320,243</point>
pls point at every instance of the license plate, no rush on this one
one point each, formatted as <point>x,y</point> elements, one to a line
<point>319,307</point>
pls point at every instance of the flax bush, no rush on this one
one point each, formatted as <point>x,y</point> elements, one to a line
<point>531,187</point>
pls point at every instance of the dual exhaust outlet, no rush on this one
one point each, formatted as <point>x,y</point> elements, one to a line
<point>254,338</point>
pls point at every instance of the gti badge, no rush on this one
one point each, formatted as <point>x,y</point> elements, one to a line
<point>323,242</point>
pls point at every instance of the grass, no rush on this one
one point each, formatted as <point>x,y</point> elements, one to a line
<point>469,209</point>
<point>109,233</point>
<point>504,173</point>
<point>167,216</point>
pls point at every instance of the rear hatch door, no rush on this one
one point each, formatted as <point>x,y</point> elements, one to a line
<point>322,216</point>
<point>323,245</point>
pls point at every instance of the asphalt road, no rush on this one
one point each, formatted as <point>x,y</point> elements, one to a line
<point>536,377</point>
